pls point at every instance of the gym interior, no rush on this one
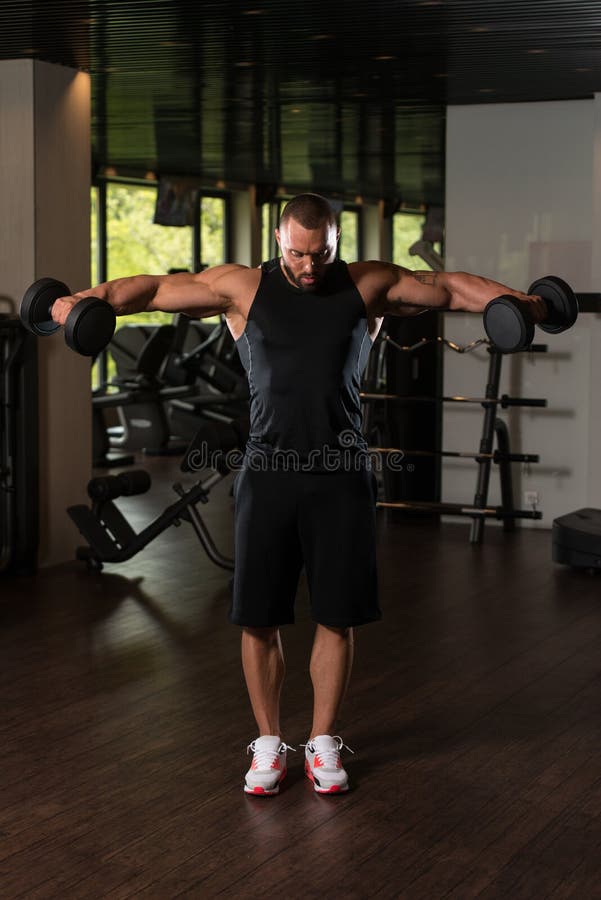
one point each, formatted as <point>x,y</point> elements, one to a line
<point>455,135</point>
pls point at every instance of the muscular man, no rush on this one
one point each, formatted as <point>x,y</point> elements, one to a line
<point>303,325</point>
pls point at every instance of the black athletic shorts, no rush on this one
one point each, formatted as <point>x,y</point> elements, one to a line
<point>325,522</point>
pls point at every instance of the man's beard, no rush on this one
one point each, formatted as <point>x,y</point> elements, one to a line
<point>297,281</point>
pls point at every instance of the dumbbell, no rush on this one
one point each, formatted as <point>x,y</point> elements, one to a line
<point>508,320</point>
<point>89,326</point>
<point>127,484</point>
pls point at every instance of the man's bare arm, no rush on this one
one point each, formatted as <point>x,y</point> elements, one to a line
<point>397,291</point>
<point>200,294</point>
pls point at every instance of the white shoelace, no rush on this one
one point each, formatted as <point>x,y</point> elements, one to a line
<point>265,758</point>
<point>329,757</point>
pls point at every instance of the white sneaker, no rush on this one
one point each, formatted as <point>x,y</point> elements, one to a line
<point>268,766</point>
<point>323,766</point>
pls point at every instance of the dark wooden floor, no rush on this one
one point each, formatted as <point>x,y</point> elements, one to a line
<point>474,715</point>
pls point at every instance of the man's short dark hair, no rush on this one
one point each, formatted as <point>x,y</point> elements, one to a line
<point>309,210</point>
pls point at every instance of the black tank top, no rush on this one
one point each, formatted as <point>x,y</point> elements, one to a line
<point>304,353</point>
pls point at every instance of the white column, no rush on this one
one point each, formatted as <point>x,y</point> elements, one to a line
<point>45,231</point>
<point>594,446</point>
<point>246,228</point>
<point>377,232</point>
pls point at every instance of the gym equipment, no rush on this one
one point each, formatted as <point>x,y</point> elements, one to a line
<point>213,365</point>
<point>577,539</point>
<point>128,484</point>
<point>496,456</point>
<point>139,353</point>
<point>425,250</point>
<point>508,321</point>
<point>458,509</point>
<point>109,535</point>
<point>492,427</point>
<point>503,401</point>
<point>19,454</point>
<point>89,326</point>
<point>165,391</point>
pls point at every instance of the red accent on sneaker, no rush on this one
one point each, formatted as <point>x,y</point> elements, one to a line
<point>317,762</point>
<point>333,789</point>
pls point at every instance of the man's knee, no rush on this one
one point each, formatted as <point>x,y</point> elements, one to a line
<point>264,635</point>
<point>345,634</point>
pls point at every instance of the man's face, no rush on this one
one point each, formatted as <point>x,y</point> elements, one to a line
<point>306,253</point>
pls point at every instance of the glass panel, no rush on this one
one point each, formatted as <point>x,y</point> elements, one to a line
<point>212,230</point>
<point>94,277</point>
<point>270,215</point>
<point>406,230</point>
<point>349,235</point>
<point>266,235</point>
<point>135,244</point>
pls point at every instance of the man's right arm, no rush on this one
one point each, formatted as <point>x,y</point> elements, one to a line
<point>199,294</point>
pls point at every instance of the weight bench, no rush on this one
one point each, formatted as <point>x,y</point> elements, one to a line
<point>111,539</point>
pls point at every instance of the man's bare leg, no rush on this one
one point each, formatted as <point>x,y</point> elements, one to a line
<point>331,663</point>
<point>263,665</point>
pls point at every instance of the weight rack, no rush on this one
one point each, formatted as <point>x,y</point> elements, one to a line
<point>492,427</point>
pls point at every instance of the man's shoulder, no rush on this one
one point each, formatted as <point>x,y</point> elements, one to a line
<point>375,272</point>
<point>229,274</point>
<point>373,279</point>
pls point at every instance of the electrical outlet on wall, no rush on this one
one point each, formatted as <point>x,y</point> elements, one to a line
<point>531,499</point>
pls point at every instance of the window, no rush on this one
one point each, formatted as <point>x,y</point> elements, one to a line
<point>269,217</point>
<point>94,239</point>
<point>348,249</point>
<point>134,244</point>
<point>213,230</point>
<point>406,230</point>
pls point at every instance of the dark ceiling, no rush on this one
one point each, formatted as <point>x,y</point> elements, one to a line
<point>346,98</point>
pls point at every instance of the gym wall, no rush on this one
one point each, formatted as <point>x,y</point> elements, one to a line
<point>522,189</point>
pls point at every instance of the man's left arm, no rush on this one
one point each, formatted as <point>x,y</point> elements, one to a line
<point>398,291</point>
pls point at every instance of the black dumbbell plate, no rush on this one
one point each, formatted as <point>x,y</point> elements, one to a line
<point>37,301</point>
<point>506,325</point>
<point>90,326</point>
<point>561,302</point>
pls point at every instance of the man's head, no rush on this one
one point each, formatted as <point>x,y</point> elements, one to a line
<point>307,237</point>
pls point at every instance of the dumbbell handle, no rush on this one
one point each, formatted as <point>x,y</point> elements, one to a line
<point>77,305</point>
<point>560,302</point>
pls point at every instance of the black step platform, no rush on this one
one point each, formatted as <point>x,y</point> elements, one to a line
<point>577,539</point>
